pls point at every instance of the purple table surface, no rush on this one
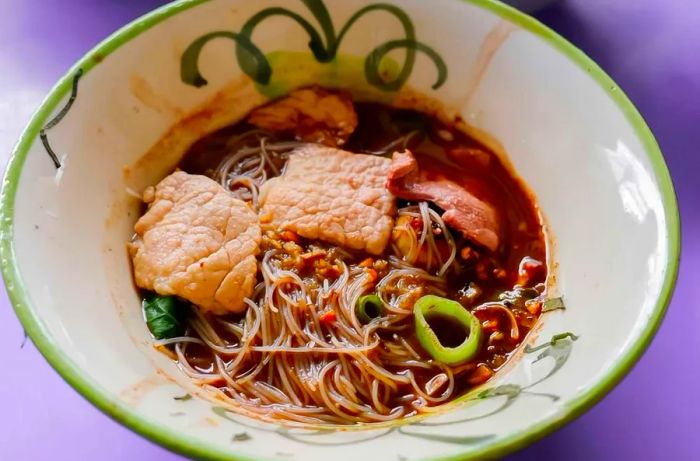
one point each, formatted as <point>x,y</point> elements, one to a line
<point>650,48</point>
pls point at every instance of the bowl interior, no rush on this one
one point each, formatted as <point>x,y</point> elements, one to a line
<point>566,128</point>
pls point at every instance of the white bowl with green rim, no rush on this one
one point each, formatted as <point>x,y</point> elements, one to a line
<point>599,177</point>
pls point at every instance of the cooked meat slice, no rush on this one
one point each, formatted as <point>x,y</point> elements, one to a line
<point>312,114</point>
<point>332,195</point>
<point>196,242</point>
<point>475,219</point>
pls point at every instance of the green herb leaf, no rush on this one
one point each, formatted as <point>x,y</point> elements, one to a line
<point>183,398</point>
<point>163,316</point>
<point>241,437</point>
<point>553,304</point>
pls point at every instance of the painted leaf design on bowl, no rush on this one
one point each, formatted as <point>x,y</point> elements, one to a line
<point>58,117</point>
<point>323,44</point>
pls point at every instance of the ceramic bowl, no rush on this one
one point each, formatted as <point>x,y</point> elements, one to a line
<point>122,116</point>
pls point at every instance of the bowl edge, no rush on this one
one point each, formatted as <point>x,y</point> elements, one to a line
<point>193,448</point>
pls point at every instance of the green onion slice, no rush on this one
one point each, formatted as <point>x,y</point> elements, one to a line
<point>446,330</point>
<point>369,307</point>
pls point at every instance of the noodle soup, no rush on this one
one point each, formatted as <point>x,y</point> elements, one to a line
<point>345,262</point>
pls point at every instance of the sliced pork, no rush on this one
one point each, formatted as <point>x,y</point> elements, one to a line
<point>312,114</point>
<point>474,218</point>
<point>197,242</point>
<point>332,195</point>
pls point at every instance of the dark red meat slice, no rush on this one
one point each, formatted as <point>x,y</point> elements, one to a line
<point>474,218</point>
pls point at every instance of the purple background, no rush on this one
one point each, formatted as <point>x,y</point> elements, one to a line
<point>650,47</point>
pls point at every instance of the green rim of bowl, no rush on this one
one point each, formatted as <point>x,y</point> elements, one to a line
<point>174,440</point>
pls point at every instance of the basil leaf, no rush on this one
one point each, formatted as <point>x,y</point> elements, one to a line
<point>164,316</point>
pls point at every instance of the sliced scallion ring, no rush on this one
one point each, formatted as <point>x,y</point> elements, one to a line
<point>446,330</point>
<point>369,307</point>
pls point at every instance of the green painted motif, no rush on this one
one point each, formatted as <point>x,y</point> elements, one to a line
<point>297,69</point>
<point>324,46</point>
<point>552,342</point>
<point>58,117</point>
<point>462,439</point>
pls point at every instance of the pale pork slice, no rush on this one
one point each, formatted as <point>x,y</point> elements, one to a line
<point>311,114</point>
<point>332,195</point>
<point>197,242</point>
